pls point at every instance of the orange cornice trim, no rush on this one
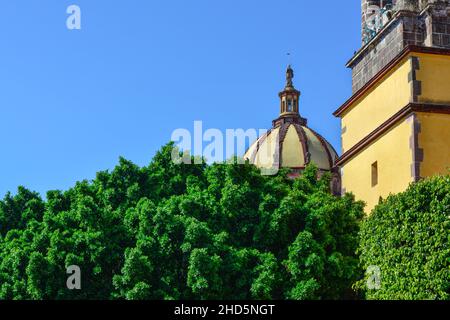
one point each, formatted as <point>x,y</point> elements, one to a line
<point>383,128</point>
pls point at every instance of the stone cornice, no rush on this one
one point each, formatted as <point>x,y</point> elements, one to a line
<point>391,122</point>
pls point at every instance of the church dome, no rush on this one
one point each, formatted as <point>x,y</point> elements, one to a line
<point>291,143</point>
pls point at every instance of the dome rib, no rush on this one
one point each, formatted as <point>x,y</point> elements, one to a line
<point>283,132</point>
<point>324,145</point>
<point>302,137</point>
<point>259,142</point>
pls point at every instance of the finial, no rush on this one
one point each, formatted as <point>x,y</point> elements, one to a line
<point>289,102</point>
<point>289,77</point>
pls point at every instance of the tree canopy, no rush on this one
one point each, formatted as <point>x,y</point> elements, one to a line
<point>407,237</point>
<point>178,231</point>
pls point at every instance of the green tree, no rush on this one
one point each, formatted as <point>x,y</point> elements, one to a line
<point>180,231</point>
<point>407,237</point>
<point>17,211</point>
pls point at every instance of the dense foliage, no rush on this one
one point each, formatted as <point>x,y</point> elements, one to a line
<point>170,231</point>
<point>408,238</point>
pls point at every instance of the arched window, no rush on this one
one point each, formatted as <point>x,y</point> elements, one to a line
<point>290,107</point>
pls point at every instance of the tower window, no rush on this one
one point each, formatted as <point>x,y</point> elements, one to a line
<point>374,174</point>
<point>289,105</point>
<point>283,109</point>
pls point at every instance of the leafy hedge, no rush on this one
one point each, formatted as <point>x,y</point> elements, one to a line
<point>408,238</point>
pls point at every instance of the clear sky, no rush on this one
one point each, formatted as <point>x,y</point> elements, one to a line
<point>73,101</point>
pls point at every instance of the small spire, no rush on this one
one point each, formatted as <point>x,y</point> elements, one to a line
<point>289,102</point>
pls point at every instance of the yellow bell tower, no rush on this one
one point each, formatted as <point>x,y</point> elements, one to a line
<point>396,125</point>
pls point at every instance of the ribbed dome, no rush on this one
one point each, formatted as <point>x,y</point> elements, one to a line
<point>291,145</point>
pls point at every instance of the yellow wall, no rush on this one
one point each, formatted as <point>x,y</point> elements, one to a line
<point>434,139</point>
<point>393,151</point>
<point>394,156</point>
<point>378,105</point>
<point>434,73</point>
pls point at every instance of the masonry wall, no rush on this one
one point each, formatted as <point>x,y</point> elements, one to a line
<point>365,4</point>
<point>399,34</point>
<point>430,28</point>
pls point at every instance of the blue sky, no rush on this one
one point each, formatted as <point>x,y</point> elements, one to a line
<point>72,102</point>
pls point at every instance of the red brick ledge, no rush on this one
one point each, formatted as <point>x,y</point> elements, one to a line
<point>383,128</point>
